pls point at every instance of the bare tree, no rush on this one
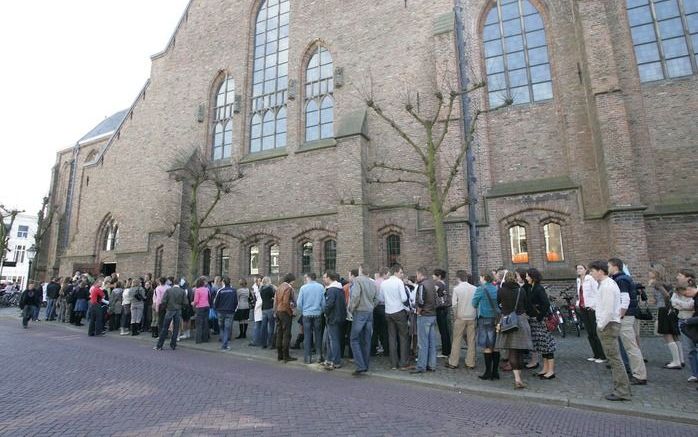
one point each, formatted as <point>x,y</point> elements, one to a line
<point>204,186</point>
<point>427,145</point>
<point>7,220</point>
<point>45,219</point>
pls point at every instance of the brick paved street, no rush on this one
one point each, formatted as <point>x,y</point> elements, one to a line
<point>57,381</point>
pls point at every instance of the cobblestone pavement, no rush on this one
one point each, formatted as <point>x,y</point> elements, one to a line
<point>58,381</point>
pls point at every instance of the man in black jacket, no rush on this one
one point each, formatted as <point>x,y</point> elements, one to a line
<point>335,315</point>
<point>52,290</point>
<point>28,302</point>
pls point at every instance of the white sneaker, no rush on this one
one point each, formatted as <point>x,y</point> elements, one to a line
<point>692,379</point>
<point>591,359</point>
<point>600,361</point>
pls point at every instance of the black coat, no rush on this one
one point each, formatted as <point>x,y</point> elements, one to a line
<point>27,298</point>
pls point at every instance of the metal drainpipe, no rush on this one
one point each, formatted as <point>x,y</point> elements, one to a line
<point>469,165</point>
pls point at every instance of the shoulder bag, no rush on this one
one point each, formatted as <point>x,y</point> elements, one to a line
<point>510,322</point>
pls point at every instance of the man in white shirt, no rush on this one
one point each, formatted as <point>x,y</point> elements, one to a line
<point>393,291</point>
<point>464,321</point>
<point>608,310</point>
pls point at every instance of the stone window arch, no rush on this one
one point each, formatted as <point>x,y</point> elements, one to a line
<point>665,37</point>
<point>223,110</point>
<point>319,95</point>
<point>270,76</point>
<point>516,53</point>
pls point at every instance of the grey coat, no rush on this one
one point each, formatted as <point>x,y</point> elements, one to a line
<point>115,300</point>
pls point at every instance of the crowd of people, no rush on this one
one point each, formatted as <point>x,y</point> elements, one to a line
<point>506,315</point>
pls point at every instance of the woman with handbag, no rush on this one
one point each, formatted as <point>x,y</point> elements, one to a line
<point>543,341</point>
<point>242,314</point>
<point>484,300</point>
<point>514,331</point>
<point>667,320</point>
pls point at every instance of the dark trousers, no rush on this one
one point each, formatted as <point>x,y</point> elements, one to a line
<point>114,322</point>
<point>442,323</point>
<point>96,320</point>
<point>380,330</point>
<point>174,316</point>
<point>161,320</point>
<point>397,331</point>
<point>312,334</point>
<point>202,331</point>
<point>27,314</point>
<point>147,316</point>
<point>283,335</point>
<point>126,316</point>
<point>346,339</point>
<point>588,317</point>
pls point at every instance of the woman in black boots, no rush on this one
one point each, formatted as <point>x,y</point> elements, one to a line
<point>82,295</point>
<point>485,300</point>
<point>242,315</point>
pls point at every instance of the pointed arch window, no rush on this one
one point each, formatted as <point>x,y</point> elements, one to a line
<point>270,76</point>
<point>392,244</point>
<point>330,254</point>
<point>110,236</point>
<point>223,120</point>
<point>665,36</point>
<point>319,101</point>
<point>516,54</point>
<point>306,257</point>
<point>518,244</point>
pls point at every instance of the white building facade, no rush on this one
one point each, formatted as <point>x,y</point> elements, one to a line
<point>15,267</point>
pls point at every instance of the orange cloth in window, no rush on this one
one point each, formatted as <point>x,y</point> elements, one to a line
<point>553,257</point>
<point>520,258</point>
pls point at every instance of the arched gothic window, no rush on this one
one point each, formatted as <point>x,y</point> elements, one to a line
<point>306,257</point>
<point>223,119</point>
<point>223,261</point>
<point>393,249</point>
<point>330,254</point>
<point>110,237</point>
<point>516,54</point>
<point>665,36</point>
<point>554,251</point>
<point>270,77</point>
<point>518,244</point>
<point>274,259</point>
<point>254,260</point>
<point>319,103</point>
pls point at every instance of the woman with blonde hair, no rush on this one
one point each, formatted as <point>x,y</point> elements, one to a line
<point>267,292</point>
<point>667,320</point>
<point>242,315</point>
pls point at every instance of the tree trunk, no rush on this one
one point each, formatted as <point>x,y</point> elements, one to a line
<point>193,265</point>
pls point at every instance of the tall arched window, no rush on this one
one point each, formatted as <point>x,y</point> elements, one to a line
<point>330,254</point>
<point>306,257</point>
<point>223,261</point>
<point>223,120</point>
<point>665,36</point>
<point>254,260</point>
<point>110,237</point>
<point>393,247</point>
<point>554,251</point>
<point>516,54</point>
<point>159,254</point>
<point>270,77</point>
<point>206,262</point>
<point>274,259</point>
<point>319,89</point>
<point>518,244</point>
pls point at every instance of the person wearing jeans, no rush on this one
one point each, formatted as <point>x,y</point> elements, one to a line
<point>395,296</point>
<point>225,302</point>
<point>311,302</point>
<point>28,302</point>
<point>173,300</point>
<point>201,306</point>
<point>426,322</point>
<point>52,291</point>
<point>336,316</point>
<point>96,323</point>
<point>363,297</point>
<point>266,292</point>
<point>684,301</point>
<point>283,311</point>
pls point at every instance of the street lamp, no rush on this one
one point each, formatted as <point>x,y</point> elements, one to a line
<point>31,253</point>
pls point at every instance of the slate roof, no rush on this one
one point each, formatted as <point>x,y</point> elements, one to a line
<point>109,124</point>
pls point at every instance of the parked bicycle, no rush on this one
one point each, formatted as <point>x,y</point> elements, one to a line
<point>555,310</point>
<point>570,311</point>
<point>10,299</point>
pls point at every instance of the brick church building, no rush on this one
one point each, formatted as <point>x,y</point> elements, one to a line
<point>594,154</point>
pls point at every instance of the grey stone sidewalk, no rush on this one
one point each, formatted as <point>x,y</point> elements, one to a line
<point>578,383</point>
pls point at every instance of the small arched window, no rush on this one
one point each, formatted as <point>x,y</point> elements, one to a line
<point>254,260</point>
<point>393,248</point>
<point>516,54</point>
<point>306,257</point>
<point>330,254</point>
<point>223,120</point>
<point>665,36</point>
<point>554,251</point>
<point>223,261</point>
<point>319,103</point>
<point>206,262</point>
<point>270,76</point>
<point>274,259</point>
<point>518,244</point>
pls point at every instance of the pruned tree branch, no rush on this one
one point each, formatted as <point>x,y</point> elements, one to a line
<point>457,206</point>
<point>385,166</point>
<point>377,109</point>
<point>394,181</point>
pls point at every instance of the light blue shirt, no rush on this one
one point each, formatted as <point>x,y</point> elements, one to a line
<point>311,299</point>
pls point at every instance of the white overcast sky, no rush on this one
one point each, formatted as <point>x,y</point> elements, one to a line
<point>66,65</point>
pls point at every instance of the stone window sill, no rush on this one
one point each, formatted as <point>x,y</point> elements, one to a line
<point>317,145</point>
<point>263,156</point>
